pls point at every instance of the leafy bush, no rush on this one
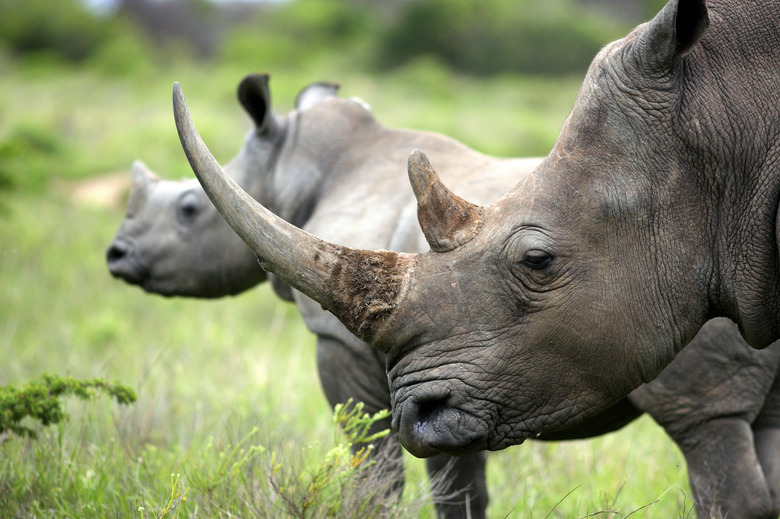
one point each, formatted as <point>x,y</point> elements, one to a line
<point>40,399</point>
<point>127,53</point>
<point>487,37</point>
<point>331,484</point>
<point>65,28</point>
<point>300,31</point>
<point>26,154</point>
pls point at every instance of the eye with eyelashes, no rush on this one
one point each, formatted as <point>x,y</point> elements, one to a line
<point>537,260</point>
<point>537,270</point>
<point>531,248</point>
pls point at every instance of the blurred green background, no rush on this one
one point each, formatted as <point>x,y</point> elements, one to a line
<point>428,46</point>
<point>85,90</point>
<point>132,43</point>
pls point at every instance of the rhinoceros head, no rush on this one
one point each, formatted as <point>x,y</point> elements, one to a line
<point>174,242</point>
<point>545,307</point>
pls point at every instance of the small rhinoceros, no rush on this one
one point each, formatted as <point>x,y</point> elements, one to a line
<point>655,211</point>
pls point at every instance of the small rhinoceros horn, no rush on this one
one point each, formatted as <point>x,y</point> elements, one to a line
<point>359,287</point>
<point>141,174</point>
<point>447,220</point>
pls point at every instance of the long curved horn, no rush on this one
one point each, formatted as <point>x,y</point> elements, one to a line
<point>359,287</point>
<point>447,220</point>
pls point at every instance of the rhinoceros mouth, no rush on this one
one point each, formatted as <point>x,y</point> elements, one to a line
<point>124,263</point>
<point>428,423</point>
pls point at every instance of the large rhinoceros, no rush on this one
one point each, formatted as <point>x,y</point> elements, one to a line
<point>170,223</point>
<point>316,167</point>
<point>654,212</point>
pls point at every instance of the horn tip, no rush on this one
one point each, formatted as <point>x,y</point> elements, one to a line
<point>178,94</point>
<point>417,157</point>
<point>138,165</point>
<point>418,163</point>
<point>420,172</point>
<point>180,110</point>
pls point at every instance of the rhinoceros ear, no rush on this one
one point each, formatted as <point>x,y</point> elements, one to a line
<point>447,220</point>
<point>141,174</point>
<point>315,93</point>
<point>671,35</point>
<point>255,97</point>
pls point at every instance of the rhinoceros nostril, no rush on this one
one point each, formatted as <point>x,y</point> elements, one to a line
<point>116,252</point>
<point>428,410</point>
<point>416,422</point>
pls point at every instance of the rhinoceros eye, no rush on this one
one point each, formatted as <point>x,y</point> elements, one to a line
<point>537,260</point>
<point>187,208</point>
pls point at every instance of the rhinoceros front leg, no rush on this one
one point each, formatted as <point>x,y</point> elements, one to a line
<point>767,441</point>
<point>766,433</point>
<point>352,369</point>
<point>726,476</point>
<point>349,370</point>
<point>459,486</point>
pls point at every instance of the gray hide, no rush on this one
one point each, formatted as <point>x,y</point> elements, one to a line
<point>316,167</point>
<point>684,406</point>
<point>654,212</point>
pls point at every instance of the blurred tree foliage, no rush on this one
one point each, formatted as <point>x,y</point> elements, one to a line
<point>304,30</point>
<point>125,41</point>
<point>65,28</point>
<point>27,153</point>
<point>479,37</point>
<point>493,36</point>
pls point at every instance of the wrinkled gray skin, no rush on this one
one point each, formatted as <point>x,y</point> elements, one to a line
<point>686,406</point>
<point>654,212</point>
<point>720,401</point>
<point>316,167</point>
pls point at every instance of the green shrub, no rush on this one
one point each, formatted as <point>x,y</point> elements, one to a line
<point>491,36</point>
<point>40,399</point>
<point>298,32</point>
<point>127,53</point>
<point>26,156</point>
<point>64,28</point>
<point>335,483</point>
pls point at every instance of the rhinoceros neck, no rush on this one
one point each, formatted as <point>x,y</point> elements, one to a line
<point>730,123</point>
<point>257,172</point>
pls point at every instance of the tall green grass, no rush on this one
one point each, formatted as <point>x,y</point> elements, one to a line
<point>235,375</point>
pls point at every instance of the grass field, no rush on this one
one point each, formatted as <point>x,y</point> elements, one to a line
<point>208,373</point>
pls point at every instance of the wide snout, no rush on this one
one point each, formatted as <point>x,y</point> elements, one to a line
<point>124,263</point>
<point>428,423</point>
